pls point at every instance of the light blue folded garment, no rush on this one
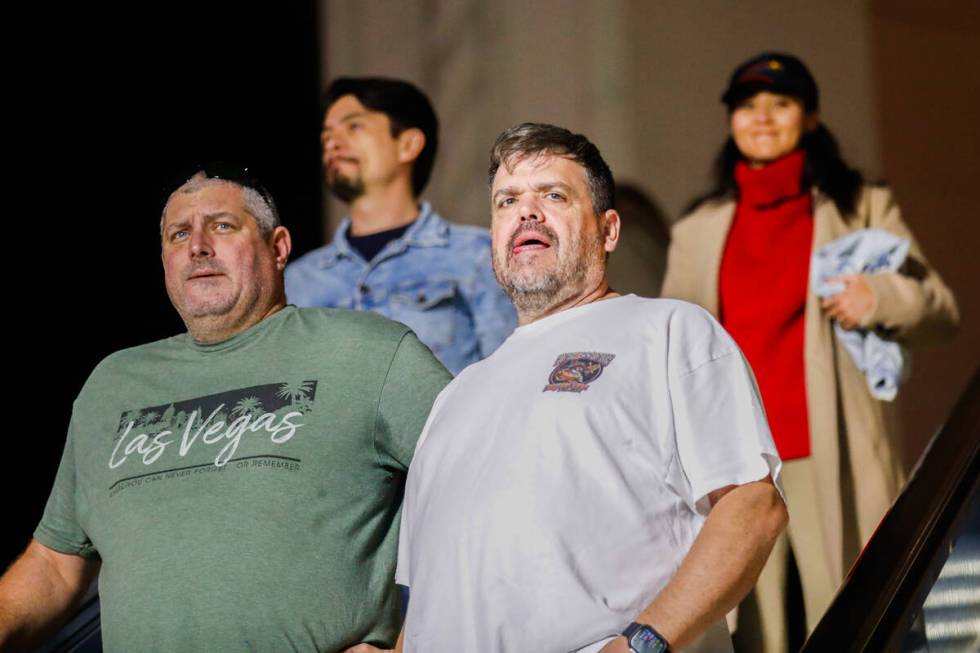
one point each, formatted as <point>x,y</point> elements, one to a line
<point>884,362</point>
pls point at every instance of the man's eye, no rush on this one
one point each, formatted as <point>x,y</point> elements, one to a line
<point>507,201</point>
<point>557,197</point>
<point>223,226</point>
<point>178,235</point>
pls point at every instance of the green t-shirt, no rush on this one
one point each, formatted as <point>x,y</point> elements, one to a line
<point>245,495</point>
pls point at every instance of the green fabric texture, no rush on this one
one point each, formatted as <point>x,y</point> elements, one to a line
<point>245,495</point>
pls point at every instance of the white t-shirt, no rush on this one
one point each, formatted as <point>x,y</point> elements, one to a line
<point>559,483</point>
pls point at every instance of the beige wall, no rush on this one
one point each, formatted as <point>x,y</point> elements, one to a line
<point>642,79</point>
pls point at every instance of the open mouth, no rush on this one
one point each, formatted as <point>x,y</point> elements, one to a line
<point>530,241</point>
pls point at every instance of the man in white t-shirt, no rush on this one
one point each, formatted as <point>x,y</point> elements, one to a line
<point>605,480</point>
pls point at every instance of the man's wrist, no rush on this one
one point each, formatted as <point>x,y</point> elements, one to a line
<point>643,638</point>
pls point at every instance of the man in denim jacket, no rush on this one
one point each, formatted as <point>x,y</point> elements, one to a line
<point>392,254</point>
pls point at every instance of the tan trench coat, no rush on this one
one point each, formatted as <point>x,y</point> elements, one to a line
<point>854,442</point>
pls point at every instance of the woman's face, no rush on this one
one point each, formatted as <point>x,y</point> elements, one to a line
<point>767,126</point>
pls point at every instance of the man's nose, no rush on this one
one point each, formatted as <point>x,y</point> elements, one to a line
<point>201,245</point>
<point>330,141</point>
<point>530,209</point>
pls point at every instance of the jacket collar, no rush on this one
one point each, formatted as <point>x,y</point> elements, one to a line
<point>428,230</point>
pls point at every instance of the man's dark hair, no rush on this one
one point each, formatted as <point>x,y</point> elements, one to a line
<point>531,139</point>
<point>406,107</point>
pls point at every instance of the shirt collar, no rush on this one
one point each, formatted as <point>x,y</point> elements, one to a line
<point>428,230</point>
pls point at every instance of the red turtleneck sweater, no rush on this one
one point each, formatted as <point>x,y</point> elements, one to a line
<point>762,290</point>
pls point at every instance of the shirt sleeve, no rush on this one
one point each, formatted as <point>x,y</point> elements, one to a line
<point>721,436</point>
<point>59,528</point>
<point>414,380</point>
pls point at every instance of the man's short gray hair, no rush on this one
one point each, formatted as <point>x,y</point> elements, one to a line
<point>259,205</point>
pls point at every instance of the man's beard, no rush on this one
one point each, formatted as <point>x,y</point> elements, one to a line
<point>346,189</point>
<point>533,291</point>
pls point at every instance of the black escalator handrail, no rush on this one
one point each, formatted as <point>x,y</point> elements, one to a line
<point>891,574</point>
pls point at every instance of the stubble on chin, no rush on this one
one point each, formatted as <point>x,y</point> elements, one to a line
<point>534,291</point>
<point>205,306</point>
<point>346,189</point>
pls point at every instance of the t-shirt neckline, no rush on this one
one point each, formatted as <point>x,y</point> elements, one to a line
<point>563,316</point>
<point>242,339</point>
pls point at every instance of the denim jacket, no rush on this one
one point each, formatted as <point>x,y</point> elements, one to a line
<point>436,279</point>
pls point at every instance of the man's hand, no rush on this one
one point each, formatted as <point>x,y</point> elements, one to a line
<point>850,306</point>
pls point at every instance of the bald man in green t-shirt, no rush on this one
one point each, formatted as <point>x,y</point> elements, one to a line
<point>238,486</point>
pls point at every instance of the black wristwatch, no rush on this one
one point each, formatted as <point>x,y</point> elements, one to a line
<point>644,639</point>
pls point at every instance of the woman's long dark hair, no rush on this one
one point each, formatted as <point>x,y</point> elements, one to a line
<point>824,169</point>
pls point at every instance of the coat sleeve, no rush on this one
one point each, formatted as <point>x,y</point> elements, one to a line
<point>914,302</point>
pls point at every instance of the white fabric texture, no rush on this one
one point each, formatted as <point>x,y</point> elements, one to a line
<point>558,484</point>
<point>884,362</point>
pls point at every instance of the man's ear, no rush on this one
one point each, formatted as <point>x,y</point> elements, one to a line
<point>610,225</point>
<point>411,142</point>
<point>282,245</point>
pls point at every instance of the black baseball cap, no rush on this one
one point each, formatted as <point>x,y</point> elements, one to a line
<point>775,72</point>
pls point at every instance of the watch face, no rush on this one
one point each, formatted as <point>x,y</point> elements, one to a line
<point>645,640</point>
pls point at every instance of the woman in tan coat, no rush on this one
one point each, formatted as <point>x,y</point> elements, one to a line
<point>782,192</point>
